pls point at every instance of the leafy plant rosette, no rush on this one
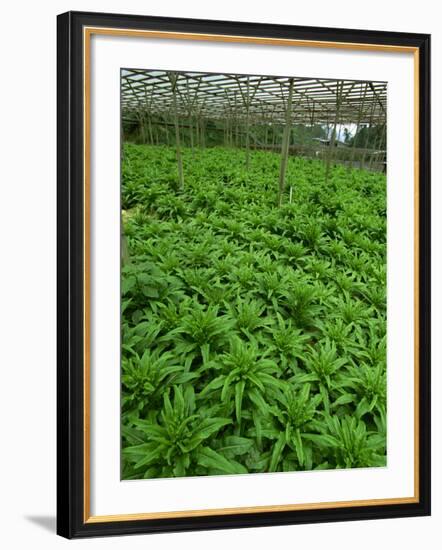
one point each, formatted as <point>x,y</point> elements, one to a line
<point>253,336</point>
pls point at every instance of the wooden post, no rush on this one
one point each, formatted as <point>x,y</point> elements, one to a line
<point>378,146</point>
<point>157,141</point>
<point>202,131</point>
<point>197,131</point>
<point>236,123</point>
<point>173,80</point>
<point>363,156</point>
<point>285,143</point>
<point>383,146</point>
<point>142,128</point>
<point>225,128</point>
<point>358,124</point>
<point>247,126</point>
<point>140,112</point>
<point>148,113</point>
<point>166,127</point>
<point>149,126</point>
<point>339,89</point>
<point>247,98</point>
<point>191,101</point>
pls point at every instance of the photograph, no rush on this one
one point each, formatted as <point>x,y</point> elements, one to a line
<point>243,271</point>
<point>253,273</point>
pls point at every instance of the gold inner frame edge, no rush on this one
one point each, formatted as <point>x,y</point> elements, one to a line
<point>87,33</point>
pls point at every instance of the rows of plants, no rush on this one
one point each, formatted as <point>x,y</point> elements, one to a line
<point>253,336</point>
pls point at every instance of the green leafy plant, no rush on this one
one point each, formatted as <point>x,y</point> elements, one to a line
<point>245,376</point>
<point>201,327</point>
<point>293,415</point>
<point>253,337</point>
<point>348,442</point>
<point>174,440</point>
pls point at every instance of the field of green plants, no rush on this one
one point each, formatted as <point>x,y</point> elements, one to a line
<point>253,336</point>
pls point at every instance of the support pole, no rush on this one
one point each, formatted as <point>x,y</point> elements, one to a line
<point>358,125</point>
<point>247,126</point>
<point>142,127</point>
<point>339,89</point>
<point>378,146</point>
<point>367,137</point>
<point>285,143</point>
<point>148,113</point>
<point>173,80</point>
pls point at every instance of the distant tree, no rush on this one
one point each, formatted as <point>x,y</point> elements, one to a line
<point>347,135</point>
<point>305,133</point>
<point>368,136</point>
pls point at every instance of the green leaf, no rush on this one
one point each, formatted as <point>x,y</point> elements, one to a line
<point>209,458</point>
<point>236,445</point>
<point>258,400</point>
<point>208,427</point>
<point>239,390</point>
<point>127,284</point>
<point>132,435</point>
<point>226,387</point>
<point>185,377</point>
<point>323,440</point>
<point>151,292</point>
<point>344,400</point>
<point>303,378</point>
<point>278,447</point>
<point>181,465</point>
<point>215,384</point>
<point>144,452</point>
<point>297,440</point>
<point>362,408</point>
<point>325,397</point>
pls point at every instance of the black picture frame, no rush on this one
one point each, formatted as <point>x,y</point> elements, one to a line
<point>71,520</point>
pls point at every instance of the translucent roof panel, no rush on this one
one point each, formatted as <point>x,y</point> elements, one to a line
<point>262,99</point>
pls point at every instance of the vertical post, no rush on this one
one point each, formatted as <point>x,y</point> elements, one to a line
<point>166,127</point>
<point>367,137</point>
<point>312,127</point>
<point>157,141</point>
<point>378,146</point>
<point>358,124</point>
<point>247,98</point>
<point>202,131</point>
<point>148,113</point>
<point>247,126</point>
<point>173,80</point>
<point>383,146</point>
<point>339,90</point>
<point>124,247</point>
<point>236,123</point>
<point>191,108</point>
<point>225,128</point>
<point>197,131</point>
<point>142,128</point>
<point>139,112</point>
<point>191,131</point>
<point>285,143</point>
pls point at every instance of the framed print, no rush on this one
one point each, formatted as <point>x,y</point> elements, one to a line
<point>243,274</point>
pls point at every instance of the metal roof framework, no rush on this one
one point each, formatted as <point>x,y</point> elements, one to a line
<point>260,99</point>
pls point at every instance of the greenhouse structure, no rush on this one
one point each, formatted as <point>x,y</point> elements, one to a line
<point>340,121</point>
<point>253,274</point>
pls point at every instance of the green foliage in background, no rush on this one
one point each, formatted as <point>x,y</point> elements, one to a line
<point>253,336</point>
